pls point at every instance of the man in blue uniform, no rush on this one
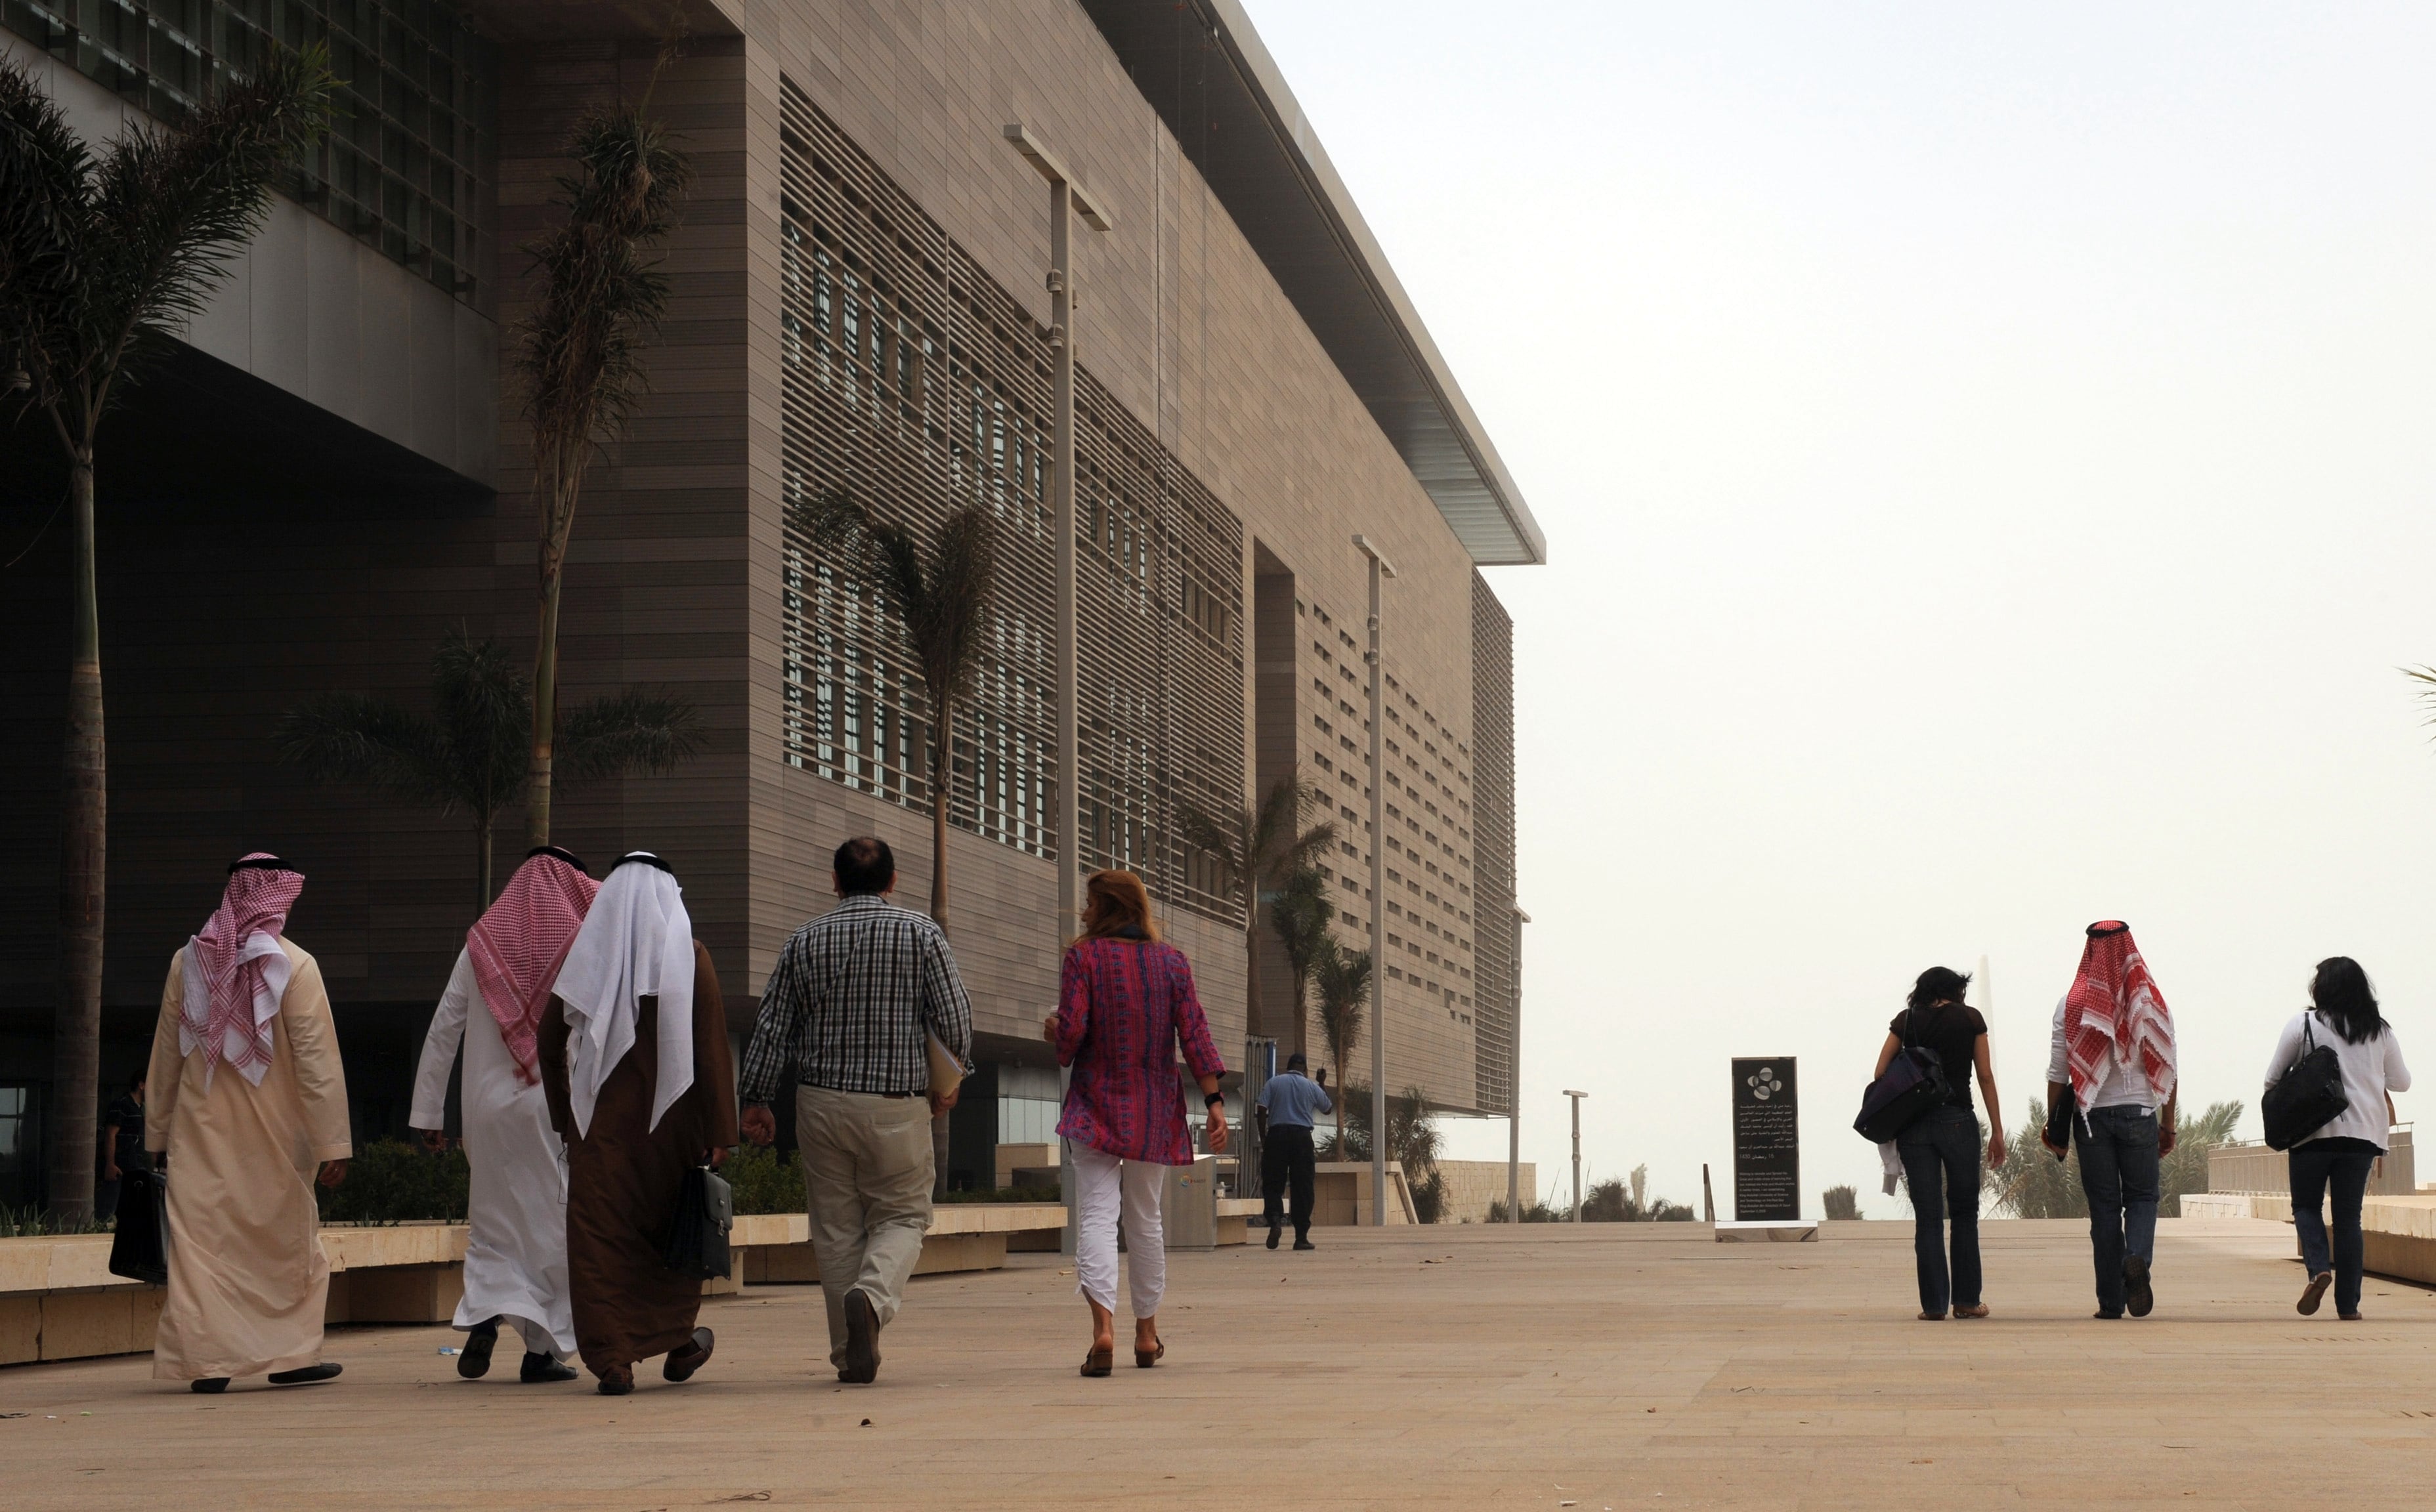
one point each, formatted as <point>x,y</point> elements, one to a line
<point>1287,1103</point>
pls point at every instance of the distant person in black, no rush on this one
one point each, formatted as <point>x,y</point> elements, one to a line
<point>122,1142</point>
<point>1941,1149</point>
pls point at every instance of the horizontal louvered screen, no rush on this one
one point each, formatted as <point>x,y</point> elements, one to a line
<point>917,382</point>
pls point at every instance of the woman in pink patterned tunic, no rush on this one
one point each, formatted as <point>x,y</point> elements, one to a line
<point>1124,1004</point>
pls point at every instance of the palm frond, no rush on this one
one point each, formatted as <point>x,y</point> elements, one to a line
<point>939,591</point>
<point>354,737</point>
<point>484,705</point>
<point>172,206</point>
<point>1342,977</point>
<point>100,256</point>
<point>626,734</point>
<point>46,207</point>
<point>600,291</point>
<point>1300,915</point>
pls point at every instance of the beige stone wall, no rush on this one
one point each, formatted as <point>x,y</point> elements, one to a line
<point>1472,1185</point>
<point>1185,325</point>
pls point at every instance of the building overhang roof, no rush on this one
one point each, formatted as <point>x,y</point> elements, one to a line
<point>1201,65</point>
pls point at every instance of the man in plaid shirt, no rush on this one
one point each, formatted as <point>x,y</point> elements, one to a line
<point>857,996</point>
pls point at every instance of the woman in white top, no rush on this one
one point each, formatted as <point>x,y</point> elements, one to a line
<point>2341,1153</point>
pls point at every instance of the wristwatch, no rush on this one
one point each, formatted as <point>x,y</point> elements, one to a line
<point>1213,1100</point>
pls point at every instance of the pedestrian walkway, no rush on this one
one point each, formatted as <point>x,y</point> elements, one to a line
<point>1603,1366</point>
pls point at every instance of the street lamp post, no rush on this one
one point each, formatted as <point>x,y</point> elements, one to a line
<point>1577,1153</point>
<point>1066,199</point>
<point>1380,568</point>
<point>1514,1088</point>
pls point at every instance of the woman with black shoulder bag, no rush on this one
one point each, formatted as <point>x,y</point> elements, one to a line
<point>2342,1152</point>
<point>1941,1148</point>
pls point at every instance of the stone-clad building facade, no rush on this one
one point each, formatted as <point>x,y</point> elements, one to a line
<point>332,473</point>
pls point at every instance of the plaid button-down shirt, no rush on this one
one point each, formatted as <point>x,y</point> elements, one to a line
<point>854,992</point>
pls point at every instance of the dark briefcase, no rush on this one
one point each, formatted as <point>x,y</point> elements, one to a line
<point>705,1213</point>
<point>140,1249</point>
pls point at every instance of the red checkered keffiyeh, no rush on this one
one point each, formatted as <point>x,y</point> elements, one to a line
<point>520,942</point>
<point>235,971</point>
<point>2115,1015</point>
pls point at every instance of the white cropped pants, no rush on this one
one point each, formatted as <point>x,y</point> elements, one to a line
<point>1101,1184</point>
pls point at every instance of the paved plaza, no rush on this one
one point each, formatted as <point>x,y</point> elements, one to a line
<point>1599,1368</point>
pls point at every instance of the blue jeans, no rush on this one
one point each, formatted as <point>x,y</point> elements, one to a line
<point>2314,1169</point>
<point>2118,1173</point>
<point>1940,1156</point>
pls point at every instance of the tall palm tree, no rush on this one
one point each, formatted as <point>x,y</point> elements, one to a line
<point>468,755</point>
<point>101,255</point>
<point>1300,915</point>
<point>599,296</point>
<point>938,591</point>
<point>1255,849</point>
<point>1344,979</point>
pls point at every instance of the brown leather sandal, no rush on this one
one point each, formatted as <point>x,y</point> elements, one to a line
<point>1099,1362</point>
<point>1144,1359</point>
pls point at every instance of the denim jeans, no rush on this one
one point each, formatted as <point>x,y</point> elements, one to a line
<point>2118,1173</point>
<point>2314,1169</point>
<point>1940,1156</point>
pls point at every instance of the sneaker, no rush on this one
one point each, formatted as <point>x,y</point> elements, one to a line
<point>2138,1298</point>
<point>2314,1293</point>
<point>861,1340</point>
<point>542,1367</point>
<point>474,1356</point>
<point>1273,1236</point>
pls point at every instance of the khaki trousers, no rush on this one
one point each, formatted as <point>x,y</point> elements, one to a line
<point>867,1177</point>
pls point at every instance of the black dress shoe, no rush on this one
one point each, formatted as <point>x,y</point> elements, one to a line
<point>1305,1244</point>
<point>541,1368</point>
<point>1273,1236</point>
<point>474,1355</point>
<point>208,1385</point>
<point>2137,1295</point>
<point>309,1375</point>
<point>862,1339</point>
<point>689,1357</point>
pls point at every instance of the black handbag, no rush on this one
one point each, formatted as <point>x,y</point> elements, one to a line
<point>1913,1083</point>
<point>140,1249</point>
<point>2308,1097</point>
<point>698,1237</point>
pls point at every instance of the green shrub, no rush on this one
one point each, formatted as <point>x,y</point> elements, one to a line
<point>765,1181</point>
<point>392,1181</point>
<point>1841,1202</point>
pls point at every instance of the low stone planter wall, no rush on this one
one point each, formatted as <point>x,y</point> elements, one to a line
<point>2398,1233</point>
<point>58,1301</point>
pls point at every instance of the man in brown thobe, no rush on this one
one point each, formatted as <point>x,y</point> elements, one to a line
<point>641,1084</point>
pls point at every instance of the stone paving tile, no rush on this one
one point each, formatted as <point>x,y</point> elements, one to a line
<point>1603,1366</point>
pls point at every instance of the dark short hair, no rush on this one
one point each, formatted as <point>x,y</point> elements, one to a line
<point>1298,1061</point>
<point>1938,985</point>
<point>865,864</point>
<point>143,1074</point>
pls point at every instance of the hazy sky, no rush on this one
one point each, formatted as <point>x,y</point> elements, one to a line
<point>1986,457</point>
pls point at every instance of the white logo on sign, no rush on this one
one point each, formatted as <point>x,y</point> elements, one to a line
<point>1765,1085</point>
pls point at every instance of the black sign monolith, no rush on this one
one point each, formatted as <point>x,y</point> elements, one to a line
<point>1768,1144</point>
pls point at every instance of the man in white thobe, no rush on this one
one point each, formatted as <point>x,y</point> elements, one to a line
<point>515,1252</point>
